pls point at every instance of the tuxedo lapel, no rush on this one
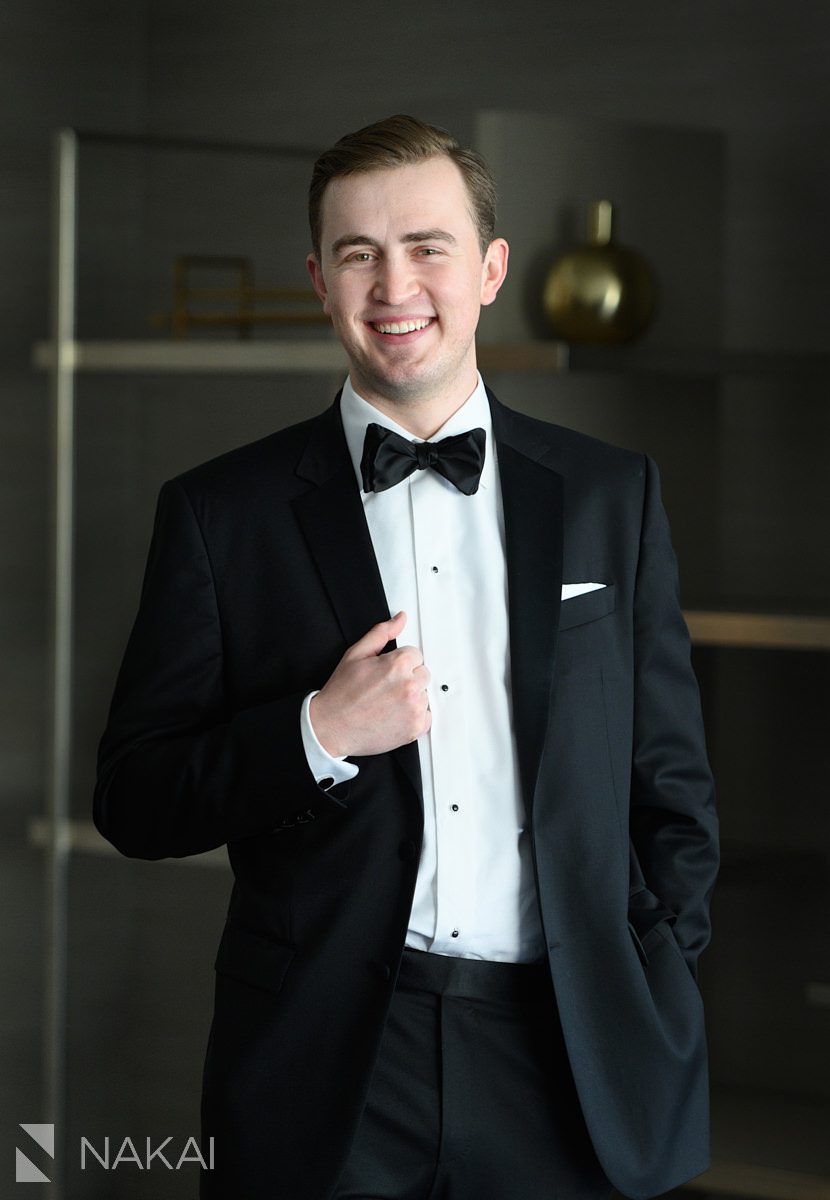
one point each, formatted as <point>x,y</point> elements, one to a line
<point>533,522</point>
<point>331,517</point>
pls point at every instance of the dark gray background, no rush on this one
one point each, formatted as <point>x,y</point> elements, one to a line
<point>744,461</point>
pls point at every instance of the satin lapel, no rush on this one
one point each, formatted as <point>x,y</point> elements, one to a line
<point>333,522</point>
<point>533,506</point>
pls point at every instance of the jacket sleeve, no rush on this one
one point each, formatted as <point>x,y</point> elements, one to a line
<point>178,771</point>
<point>674,829</point>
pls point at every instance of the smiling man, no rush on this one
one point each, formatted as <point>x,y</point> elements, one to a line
<point>404,297</point>
<point>419,662</point>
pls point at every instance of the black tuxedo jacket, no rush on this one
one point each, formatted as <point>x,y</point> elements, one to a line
<point>261,572</point>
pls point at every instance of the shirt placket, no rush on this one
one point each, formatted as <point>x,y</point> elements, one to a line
<point>435,519</point>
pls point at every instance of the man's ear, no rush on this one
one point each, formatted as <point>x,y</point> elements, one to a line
<point>494,269</point>
<point>317,280</point>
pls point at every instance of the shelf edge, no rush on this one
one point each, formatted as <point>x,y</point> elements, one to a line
<point>84,838</point>
<point>300,356</point>
<point>770,631</point>
<point>745,1181</point>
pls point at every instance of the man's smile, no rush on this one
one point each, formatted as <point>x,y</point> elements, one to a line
<point>401,327</point>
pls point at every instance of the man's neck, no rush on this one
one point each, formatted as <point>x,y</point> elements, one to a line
<point>420,417</point>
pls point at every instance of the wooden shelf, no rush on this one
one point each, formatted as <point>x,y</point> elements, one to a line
<point>766,1146</point>
<point>82,836</point>
<point>551,357</point>
<point>309,355</point>
<point>743,1181</point>
<point>770,631</point>
<point>312,355</point>
<point>320,354</point>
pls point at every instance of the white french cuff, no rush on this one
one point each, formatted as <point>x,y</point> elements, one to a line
<point>322,764</point>
<point>569,590</point>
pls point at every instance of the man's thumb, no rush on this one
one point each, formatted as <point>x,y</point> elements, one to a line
<point>376,638</point>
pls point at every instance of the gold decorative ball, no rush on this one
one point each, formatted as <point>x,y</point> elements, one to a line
<point>600,292</point>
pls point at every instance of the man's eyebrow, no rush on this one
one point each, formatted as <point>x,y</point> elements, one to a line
<point>429,235</point>
<point>417,235</point>
<point>353,239</point>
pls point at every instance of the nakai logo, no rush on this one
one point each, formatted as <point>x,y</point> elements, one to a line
<point>143,1153</point>
<point>25,1170</point>
<point>163,1154</point>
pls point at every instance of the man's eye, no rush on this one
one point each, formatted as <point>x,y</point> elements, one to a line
<point>362,256</point>
<point>428,251</point>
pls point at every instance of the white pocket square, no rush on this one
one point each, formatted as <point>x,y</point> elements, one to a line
<point>569,590</point>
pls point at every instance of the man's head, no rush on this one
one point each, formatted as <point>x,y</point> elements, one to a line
<point>396,142</point>
<point>404,258</point>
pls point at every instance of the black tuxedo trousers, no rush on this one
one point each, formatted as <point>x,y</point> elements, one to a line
<point>472,1095</point>
<point>261,572</point>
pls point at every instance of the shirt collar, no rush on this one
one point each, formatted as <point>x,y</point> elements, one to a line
<point>474,413</point>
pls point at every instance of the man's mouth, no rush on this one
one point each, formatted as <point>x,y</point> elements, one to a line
<point>399,327</point>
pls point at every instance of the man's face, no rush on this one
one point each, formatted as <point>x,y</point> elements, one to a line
<point>402,277</point>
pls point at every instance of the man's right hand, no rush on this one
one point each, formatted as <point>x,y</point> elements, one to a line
<point>373,702</point>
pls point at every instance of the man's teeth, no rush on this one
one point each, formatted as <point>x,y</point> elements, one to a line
<point>402,326</point>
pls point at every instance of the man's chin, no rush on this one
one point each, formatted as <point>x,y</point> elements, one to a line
<point>403,389</point>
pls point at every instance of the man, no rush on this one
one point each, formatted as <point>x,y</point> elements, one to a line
<point>419,663</point>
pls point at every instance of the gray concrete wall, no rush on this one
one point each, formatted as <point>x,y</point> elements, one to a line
<point>752,71</point>
<point>60,64</point>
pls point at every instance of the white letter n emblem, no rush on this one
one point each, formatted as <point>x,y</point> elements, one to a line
<point>25,1170</point>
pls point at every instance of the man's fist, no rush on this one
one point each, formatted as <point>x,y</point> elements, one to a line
<point>373,702</point>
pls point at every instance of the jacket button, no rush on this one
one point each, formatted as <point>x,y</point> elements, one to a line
<point>407,851</point>
<point>382,970</point>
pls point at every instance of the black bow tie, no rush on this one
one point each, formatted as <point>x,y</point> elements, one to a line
<point>388,458</point>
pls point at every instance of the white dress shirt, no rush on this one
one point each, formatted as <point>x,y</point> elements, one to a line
<point>442,560</point>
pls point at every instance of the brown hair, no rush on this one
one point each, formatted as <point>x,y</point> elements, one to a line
<point>395,142</point>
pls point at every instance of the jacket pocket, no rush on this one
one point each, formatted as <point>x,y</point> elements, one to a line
<point>590,606</point>
<point>253,959</point>
<point>649,920</point>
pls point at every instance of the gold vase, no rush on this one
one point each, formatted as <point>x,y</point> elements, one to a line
<point>600,292</point>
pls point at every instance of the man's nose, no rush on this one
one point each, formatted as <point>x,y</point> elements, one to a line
<point>396,282</point>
